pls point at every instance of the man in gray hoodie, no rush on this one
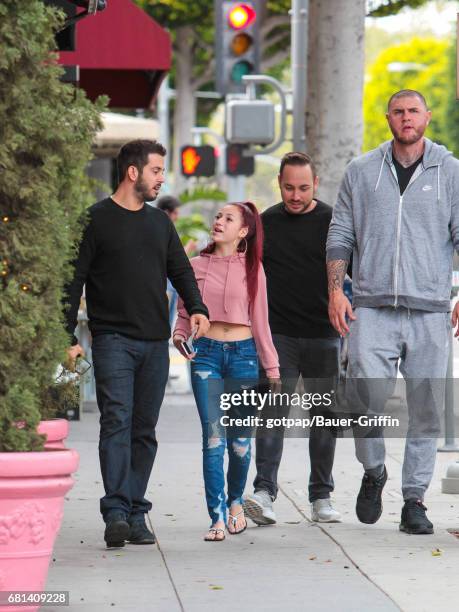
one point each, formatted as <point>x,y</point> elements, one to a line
<point>398,213</point>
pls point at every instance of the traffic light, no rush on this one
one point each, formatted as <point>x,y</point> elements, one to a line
<point>65,37</point>
<point>198,160</point>
<point>237,44</point>
<point>238,164</point>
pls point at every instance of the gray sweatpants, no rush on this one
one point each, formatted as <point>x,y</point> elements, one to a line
<point>419,341</point>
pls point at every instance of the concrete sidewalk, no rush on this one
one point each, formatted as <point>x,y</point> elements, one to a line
<point>295,565</point>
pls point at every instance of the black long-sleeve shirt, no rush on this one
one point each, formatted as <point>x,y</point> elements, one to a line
<point>125,258</point>
<point>296,272</point>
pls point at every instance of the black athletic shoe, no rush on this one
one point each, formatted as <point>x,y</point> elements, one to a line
<point>116,530</point>
<point>139,532</point>
<point>414,519</point>
<point>369,503</point>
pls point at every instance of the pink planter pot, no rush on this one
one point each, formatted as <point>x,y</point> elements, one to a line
<point>32,489</point>
<point>56,431</point>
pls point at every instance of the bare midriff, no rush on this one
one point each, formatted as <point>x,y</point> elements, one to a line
<point>228,332</point>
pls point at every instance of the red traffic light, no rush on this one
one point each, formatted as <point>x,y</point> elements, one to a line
<point>241,16</point>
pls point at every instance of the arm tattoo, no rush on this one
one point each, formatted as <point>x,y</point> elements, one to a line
<point>336,271</point>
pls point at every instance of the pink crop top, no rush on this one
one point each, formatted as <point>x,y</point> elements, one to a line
<point>223,287</point>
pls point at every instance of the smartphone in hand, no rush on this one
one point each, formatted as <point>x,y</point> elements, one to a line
<point>187,345</point>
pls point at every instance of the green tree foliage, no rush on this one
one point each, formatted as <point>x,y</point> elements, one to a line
<point>46,130</point>
<point>419,64</point>
<point>191,227</point>
<point>378,39</point>
<point>203,193</point>
<point>451,107</point>
<point>175,15</point>
<point>384,8</point>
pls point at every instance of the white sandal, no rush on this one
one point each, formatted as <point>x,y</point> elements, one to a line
<point>233,518</point>
<point>215,530</point>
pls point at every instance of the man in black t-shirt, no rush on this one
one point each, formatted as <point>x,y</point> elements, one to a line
<point>127,252</point>
<point>308,346</point>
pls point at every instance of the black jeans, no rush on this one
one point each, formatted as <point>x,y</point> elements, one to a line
<point>131,377</point>
<point>311,358</point>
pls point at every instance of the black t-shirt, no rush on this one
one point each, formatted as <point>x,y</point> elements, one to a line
<point>296,272</point>
<point>404,174</point>
<point>125,258</point>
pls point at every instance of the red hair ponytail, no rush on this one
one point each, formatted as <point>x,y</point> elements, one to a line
<point>254,250</point>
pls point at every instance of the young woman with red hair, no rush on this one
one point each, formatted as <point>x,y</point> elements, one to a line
<point>233,287</point>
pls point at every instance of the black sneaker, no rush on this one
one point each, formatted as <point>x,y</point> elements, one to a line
<point>369,503</point>
<point>414,519</point>
<point>139,532</point>
<point>116,530</point>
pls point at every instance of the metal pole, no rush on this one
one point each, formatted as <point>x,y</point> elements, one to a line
<point>450,436</point>
<point>164,95</point>
<point>299,25</point>
<point>450,483</point>
<point>236,189</point>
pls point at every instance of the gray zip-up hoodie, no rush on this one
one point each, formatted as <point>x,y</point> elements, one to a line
<point>402,245</point>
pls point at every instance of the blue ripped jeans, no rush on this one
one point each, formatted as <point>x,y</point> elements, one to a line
<point>223,367</point>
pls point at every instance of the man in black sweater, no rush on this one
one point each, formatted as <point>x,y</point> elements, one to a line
<point>127,252</point>
<point>307,345</point>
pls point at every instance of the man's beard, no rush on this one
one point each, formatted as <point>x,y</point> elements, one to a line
<point>408,140</point>
<point>304,207</point>
<point>142,191</point>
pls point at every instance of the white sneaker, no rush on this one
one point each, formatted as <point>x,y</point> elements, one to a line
<point>322,511</point>
<point>259,508</point>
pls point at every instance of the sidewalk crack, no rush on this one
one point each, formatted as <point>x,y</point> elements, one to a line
<point>340,546</point>
<point>163,556</point>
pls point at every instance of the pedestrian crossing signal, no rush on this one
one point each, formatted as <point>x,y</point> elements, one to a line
<point>198,160</point>
<point>238,164</point>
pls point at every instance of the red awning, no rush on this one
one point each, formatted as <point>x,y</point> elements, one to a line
<point>121,52</point>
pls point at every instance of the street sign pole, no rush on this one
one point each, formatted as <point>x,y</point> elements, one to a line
<point>164,96</point>
<point>299,29</point>
<point>236,189</point>
<point>457,58</point>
